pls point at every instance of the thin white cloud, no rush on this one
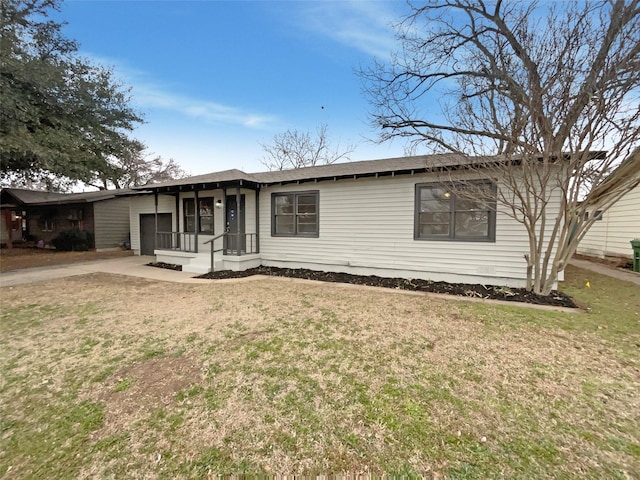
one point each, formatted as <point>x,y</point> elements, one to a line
<point>153,96</point>
<point>363,25</point>
<point>146,95</point>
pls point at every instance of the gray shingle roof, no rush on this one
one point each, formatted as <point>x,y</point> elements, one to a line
<point>367,167</point>
<point>214,177</point>
<point>336,170</point>
<point>36,197</point>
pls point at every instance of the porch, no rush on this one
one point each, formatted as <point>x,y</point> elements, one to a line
<point>180,248</point>
<point>204,226</point>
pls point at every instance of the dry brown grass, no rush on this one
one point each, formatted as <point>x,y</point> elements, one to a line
<point>18,258</point>
<point>281,377</point>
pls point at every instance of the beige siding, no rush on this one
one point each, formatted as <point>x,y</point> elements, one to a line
<point>367,226</point>
<point>111,222</point>
<point>146,204</point>
<point>619,225</point>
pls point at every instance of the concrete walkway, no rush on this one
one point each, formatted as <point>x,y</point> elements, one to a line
<point>618,273</point>
<point>134,266</point>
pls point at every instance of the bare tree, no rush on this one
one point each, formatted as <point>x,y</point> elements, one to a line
<point>536,92</point>
<point>295,149</point>
<point>134,168</point>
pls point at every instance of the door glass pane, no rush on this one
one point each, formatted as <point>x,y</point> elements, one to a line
<point>190,224</point>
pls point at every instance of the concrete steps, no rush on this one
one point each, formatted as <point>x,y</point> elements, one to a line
<point>200,263</point>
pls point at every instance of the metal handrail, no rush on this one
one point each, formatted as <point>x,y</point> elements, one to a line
<point>239,249</point>
<point>211,240</point>
<point>213,252</point>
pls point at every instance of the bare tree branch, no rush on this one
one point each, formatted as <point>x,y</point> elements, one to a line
<point>542,86</point>
<point>295,149</point>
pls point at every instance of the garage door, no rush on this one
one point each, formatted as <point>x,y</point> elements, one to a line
<point>148,230</point>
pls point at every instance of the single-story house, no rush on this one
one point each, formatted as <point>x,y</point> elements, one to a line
<point>381,217</point>
<point>610,234</point>
<point>38,215</point>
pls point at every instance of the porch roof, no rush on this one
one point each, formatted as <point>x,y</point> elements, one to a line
<point>212,180</point>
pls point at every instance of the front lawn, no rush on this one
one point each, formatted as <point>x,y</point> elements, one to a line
<point>120,377</point>
<point>20,257</point>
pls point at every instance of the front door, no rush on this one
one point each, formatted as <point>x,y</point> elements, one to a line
<point>235,215</point>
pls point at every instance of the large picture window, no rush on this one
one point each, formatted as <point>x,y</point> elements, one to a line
<point>461,212</point>
<point>205,215</point>
<point>295,214</point>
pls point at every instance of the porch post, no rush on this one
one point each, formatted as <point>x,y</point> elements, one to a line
<point>257,193</point>
<point>178,221</point>
<point>238,222</point>
<point>197,219</point>
<point>225,228</point>
<point>155,202</point>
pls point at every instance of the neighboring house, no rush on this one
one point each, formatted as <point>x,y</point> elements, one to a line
<point>610,234</point>
<point>43,215</point>
<point>381,217</point>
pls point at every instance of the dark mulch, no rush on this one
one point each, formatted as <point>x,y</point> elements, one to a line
<point>168,266</point>
<point>628,265</point>
<point>556,298</point>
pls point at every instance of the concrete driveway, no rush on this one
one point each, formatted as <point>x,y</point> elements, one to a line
<point>133,266</point>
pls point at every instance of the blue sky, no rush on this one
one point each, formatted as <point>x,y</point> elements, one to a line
<point>215,79</point>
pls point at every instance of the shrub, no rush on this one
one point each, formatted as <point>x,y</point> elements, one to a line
<point>73,240</point>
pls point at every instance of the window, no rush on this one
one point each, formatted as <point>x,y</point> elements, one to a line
<point>455,213</point>
<point>596,214</point>
<point>205,215</point>
<point>205,212</point>
<point>47,225</point>
<point>295,214</point>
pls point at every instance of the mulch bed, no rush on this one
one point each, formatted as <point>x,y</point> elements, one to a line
<point>557,299</point>
<point>168,266</point>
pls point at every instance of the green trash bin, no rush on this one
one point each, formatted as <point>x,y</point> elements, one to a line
<point>635,244</point>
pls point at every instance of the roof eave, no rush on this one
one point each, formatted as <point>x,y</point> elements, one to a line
<point>200,186</point>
